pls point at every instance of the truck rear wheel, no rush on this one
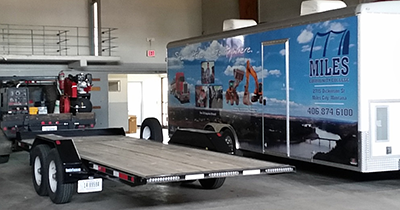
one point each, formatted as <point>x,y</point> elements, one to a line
<point>39,173</point>
<point>213,183</point>
<point>59,192</point>
<point>151,130</point>
<point>4,158</point>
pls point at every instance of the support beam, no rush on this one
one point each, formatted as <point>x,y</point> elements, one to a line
<point>248,9</point>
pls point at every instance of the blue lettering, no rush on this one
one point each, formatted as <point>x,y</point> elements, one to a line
<point>313,68</point>
<point>336,62</point>
<point>320,67</point>
<point>345,64</point>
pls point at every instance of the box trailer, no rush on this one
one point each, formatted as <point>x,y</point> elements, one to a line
<point>320,88</point>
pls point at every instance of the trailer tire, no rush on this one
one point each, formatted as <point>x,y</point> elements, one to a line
<point>229,138</point>
<point>39,173</point>
<point>151,130</point>
<point>4,158</point>
<point>59,192</point>
<point>213,183</point>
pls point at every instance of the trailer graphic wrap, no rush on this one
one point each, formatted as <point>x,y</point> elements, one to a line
<point>301,78</point>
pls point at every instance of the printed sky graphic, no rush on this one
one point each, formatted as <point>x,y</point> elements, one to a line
<point>233,53</point>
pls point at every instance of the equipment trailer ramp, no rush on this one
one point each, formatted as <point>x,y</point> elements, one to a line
<point>63,158</point>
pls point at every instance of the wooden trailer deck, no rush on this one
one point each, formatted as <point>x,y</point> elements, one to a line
<point>152,159</point>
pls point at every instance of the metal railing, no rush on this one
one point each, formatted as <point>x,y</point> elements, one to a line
<point>52,40</point>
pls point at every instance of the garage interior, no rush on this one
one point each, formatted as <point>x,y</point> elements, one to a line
<point>122,43</point>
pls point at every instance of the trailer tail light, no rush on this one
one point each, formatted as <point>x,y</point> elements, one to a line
<point>5,128</point>
<point>50,123</point>
<point>42,123</point>
<point>58,142</point>
<point>219,134</point>
<point>57,122</point>
<point>123,176</point>
<point>92,125</point>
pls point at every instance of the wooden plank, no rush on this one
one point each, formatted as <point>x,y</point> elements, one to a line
<point>147,158</point>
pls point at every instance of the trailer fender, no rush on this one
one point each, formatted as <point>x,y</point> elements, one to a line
<point>69,156</point>
<point>151,129</point>
<point>220,128</point>
<point>197,138</point>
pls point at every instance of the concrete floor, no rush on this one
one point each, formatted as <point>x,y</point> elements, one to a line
<point>312,187</point>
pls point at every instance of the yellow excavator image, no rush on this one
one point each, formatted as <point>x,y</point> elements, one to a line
<point>231,95</point>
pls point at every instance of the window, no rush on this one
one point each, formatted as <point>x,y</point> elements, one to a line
<point>114,86</point>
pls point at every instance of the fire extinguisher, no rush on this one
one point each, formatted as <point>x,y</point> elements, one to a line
<point>61,79</point>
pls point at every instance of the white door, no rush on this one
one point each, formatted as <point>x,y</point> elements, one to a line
<point>135,100</point>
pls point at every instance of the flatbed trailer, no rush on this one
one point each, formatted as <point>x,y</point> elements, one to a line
<point>87,156</point>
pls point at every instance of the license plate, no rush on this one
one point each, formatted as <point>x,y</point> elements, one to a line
<point>49,128</point>
<point>90,185</point>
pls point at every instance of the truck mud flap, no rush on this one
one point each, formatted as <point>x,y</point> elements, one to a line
<point>201,139</point>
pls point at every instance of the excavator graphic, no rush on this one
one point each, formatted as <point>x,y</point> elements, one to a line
<point>231,95</point>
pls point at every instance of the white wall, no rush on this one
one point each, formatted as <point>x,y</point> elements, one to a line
<point>215,12</point>
<point>151,95</point>
<point>117,103</point>
<point>45,12</point>
<point>162,20</point>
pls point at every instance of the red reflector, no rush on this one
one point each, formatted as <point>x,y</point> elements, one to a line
<point>219,134</point>
<point>58,142</point>
<point>5,128</point>
<point>123,176</point>
<point>42,123</point>
<point>50,122</point>
<point>92,125</point>
<point>132,179</point>
<point>102,169</point>
<point>57,122</point>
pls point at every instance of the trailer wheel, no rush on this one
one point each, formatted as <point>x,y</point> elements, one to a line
<point>4,158</point>
<point>227,135</point>
<point>229,138</point>
<point>39,173</point>
<point>59,192</point>
<point>151,130</point>
<point>213,183</point>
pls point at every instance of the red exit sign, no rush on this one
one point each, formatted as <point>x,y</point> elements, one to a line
<point>151,53</point>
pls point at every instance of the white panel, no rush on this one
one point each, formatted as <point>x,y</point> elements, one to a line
<point>151,89</point>
<point>378,61</point>
<point>379,146</point>
<point>378,83</point>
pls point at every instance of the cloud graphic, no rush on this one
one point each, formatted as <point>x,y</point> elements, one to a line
<point>229,69</point>
<point>282,52</point>
<point>262,74</point>
<point>275,72</point>
<point>305,36</point>
<point>196,51</point>
<point>335,26</point>
<point>175,63</point>
<point>187,52</point>
<point>307,48</point>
